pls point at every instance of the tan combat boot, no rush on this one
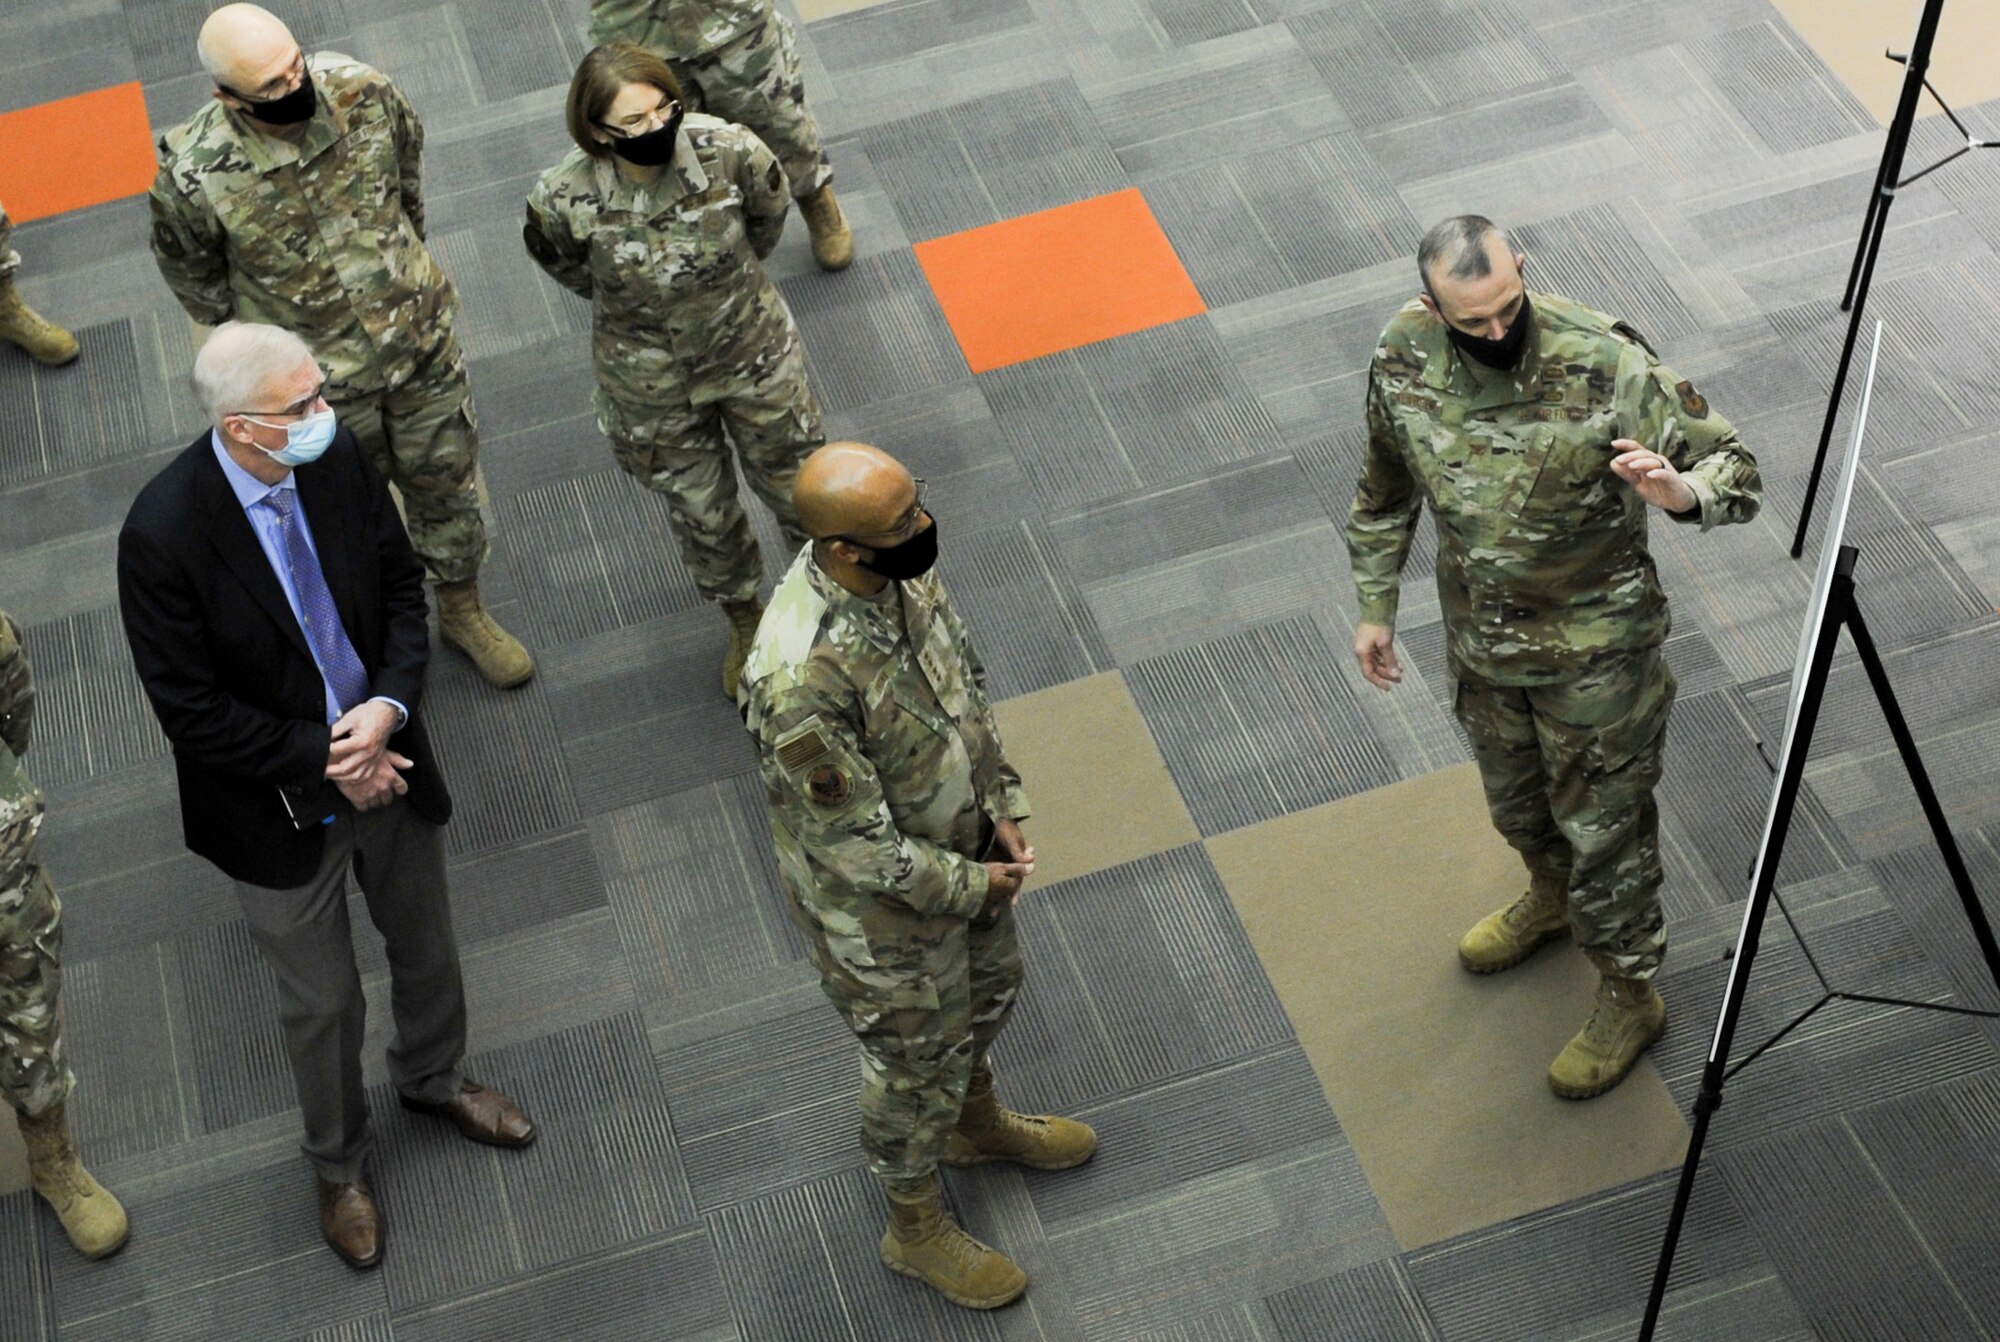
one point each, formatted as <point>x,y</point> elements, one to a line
<point>1629,1016</point>
<point>743,618</point>
<point>1506,937</point>
<point>45,342</point>
<point>922,1241</point>
<point>988,1130</point>
<point>465,625</point>
<point>833,241</point>
<point>90,1216</point>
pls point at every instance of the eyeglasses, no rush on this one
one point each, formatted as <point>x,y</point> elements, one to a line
<point>302,406</point>
<point>911,524</point>
<point>644,122</point>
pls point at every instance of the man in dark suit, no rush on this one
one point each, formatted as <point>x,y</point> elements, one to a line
<point>277,620</point>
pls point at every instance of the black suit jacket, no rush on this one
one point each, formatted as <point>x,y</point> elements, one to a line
<point>228,669</point>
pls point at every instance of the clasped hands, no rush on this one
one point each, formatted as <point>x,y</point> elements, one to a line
<point>360,762</point>
<point>1003,879</point>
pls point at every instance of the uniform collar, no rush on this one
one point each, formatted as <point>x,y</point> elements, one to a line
<point>871,617</point>
<point>684,177</point>
<point>1445,369</point>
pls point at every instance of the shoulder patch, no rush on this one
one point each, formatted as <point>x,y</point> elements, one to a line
<point>829,785</point>
<point>1691,400</point>
<point>801,750</point>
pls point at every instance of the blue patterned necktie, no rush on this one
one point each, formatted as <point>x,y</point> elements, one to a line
<point>338,661</point>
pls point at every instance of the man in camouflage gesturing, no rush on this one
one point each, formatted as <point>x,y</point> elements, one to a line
<point>897,822</point>
<point>295,199</point>
<point>1541,432</point>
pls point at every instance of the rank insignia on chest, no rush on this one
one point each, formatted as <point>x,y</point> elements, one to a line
<point>829,785</point>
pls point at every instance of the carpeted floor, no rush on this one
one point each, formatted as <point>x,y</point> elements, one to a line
<point>1144,533</point>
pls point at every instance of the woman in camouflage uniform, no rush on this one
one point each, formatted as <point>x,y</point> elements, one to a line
<point>662,221</point>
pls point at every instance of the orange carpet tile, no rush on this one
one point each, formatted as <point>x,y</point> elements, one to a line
<point>73,152</point>
<point>1052,281</point>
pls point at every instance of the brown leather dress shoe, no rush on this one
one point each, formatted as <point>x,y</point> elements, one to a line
<point>482,1114</point>
<point>350,1222</point>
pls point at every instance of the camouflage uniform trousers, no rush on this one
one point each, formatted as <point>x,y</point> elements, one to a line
<point>938,993</point>
<point>1569,772</point>
<point>34,1077</point>
<point>681,452</point>
<point>10,260</point>
<point>423,436</point>
<point>755,81</point>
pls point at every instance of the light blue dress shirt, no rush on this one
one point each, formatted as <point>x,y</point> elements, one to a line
<point>251,493</point>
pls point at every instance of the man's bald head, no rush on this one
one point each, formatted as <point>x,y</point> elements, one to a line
<point>852,489</point>
<point>245,48</point>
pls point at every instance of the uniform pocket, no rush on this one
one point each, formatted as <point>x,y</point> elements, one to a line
<point>1640,730</point>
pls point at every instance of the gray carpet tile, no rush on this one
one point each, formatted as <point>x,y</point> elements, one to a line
<point>1028,622</point>
<point>525,46</point>
<point>665,1287</point>
<point>235,1256</point>
<point>1186,22</point>
<point>763,1093</point>
<point>507,777</point>
<point>231,1018</point>
<point>1163,402</point>
<point>1579,38</point>
<point>1917,882</point>
<point>1591,1262</point>
<point>1857,1269</point>
<point>1135,975</point>
<point>91,715</point>
<point>373,1328</point>
<point>61,420</point>
<point>1375,1300</point>
<point>430,52</point>
<point>992,158</point>
<point>873,332</point>
<point>24,1290</point>
<point>1591,256</point>
<point>603,1172</point>
<point>694,887</point>
<point>1484,134</point>
<point>127,1040</point>
<point>802,1265</point>
<point>1442,54</point>
<point>852,43</point>
<point>1160,116</point>
<point>1782,88</point>
<point>1255,725</point>
<point>606,555</point>
<point>1282,218</point>
<point>699,742</point>
<point>504,306</point>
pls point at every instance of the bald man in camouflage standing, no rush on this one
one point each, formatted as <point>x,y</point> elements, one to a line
<point>295,199</point>
<point>1542,434</point>
<point>897,823</point>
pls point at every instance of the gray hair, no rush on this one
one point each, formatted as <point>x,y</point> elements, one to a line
<point>1458,244</point>
<point>238,360</point>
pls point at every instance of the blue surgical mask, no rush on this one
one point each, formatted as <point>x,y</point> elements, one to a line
<point>306,440</point>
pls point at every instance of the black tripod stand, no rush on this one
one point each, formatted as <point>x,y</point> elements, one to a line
<point>1888,181</point>
<point>1840,612</point>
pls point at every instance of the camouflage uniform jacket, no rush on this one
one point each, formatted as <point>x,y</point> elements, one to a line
<point>877,746</point>
<point>322,235</point>
<point>1542,561</point>
<point>20,799</point>
<point>677,28</point>
<point>684,311</point>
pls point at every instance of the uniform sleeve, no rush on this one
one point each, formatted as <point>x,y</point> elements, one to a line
<point>17,689</point>
<point>189,248</point>
<point>1013,797</point>
<point>827,796</point>
<point>554,248</point>
<point>1387,504</point>
<point>766,194</point>
<point>409,154</point>
<point>1661,409</point>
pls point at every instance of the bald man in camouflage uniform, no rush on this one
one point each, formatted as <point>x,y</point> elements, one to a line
<point>739,60</point>
<point>1540,432</point>
<point>34,1078</point>
<point>318,226</point>
<point>21,325</point>
<point>896,818</point>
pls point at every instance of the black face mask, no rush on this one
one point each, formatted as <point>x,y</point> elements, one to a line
<point>1504,354</point>
<point>289,110</point>
<point>899,563</point>
<point>652,149</point>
